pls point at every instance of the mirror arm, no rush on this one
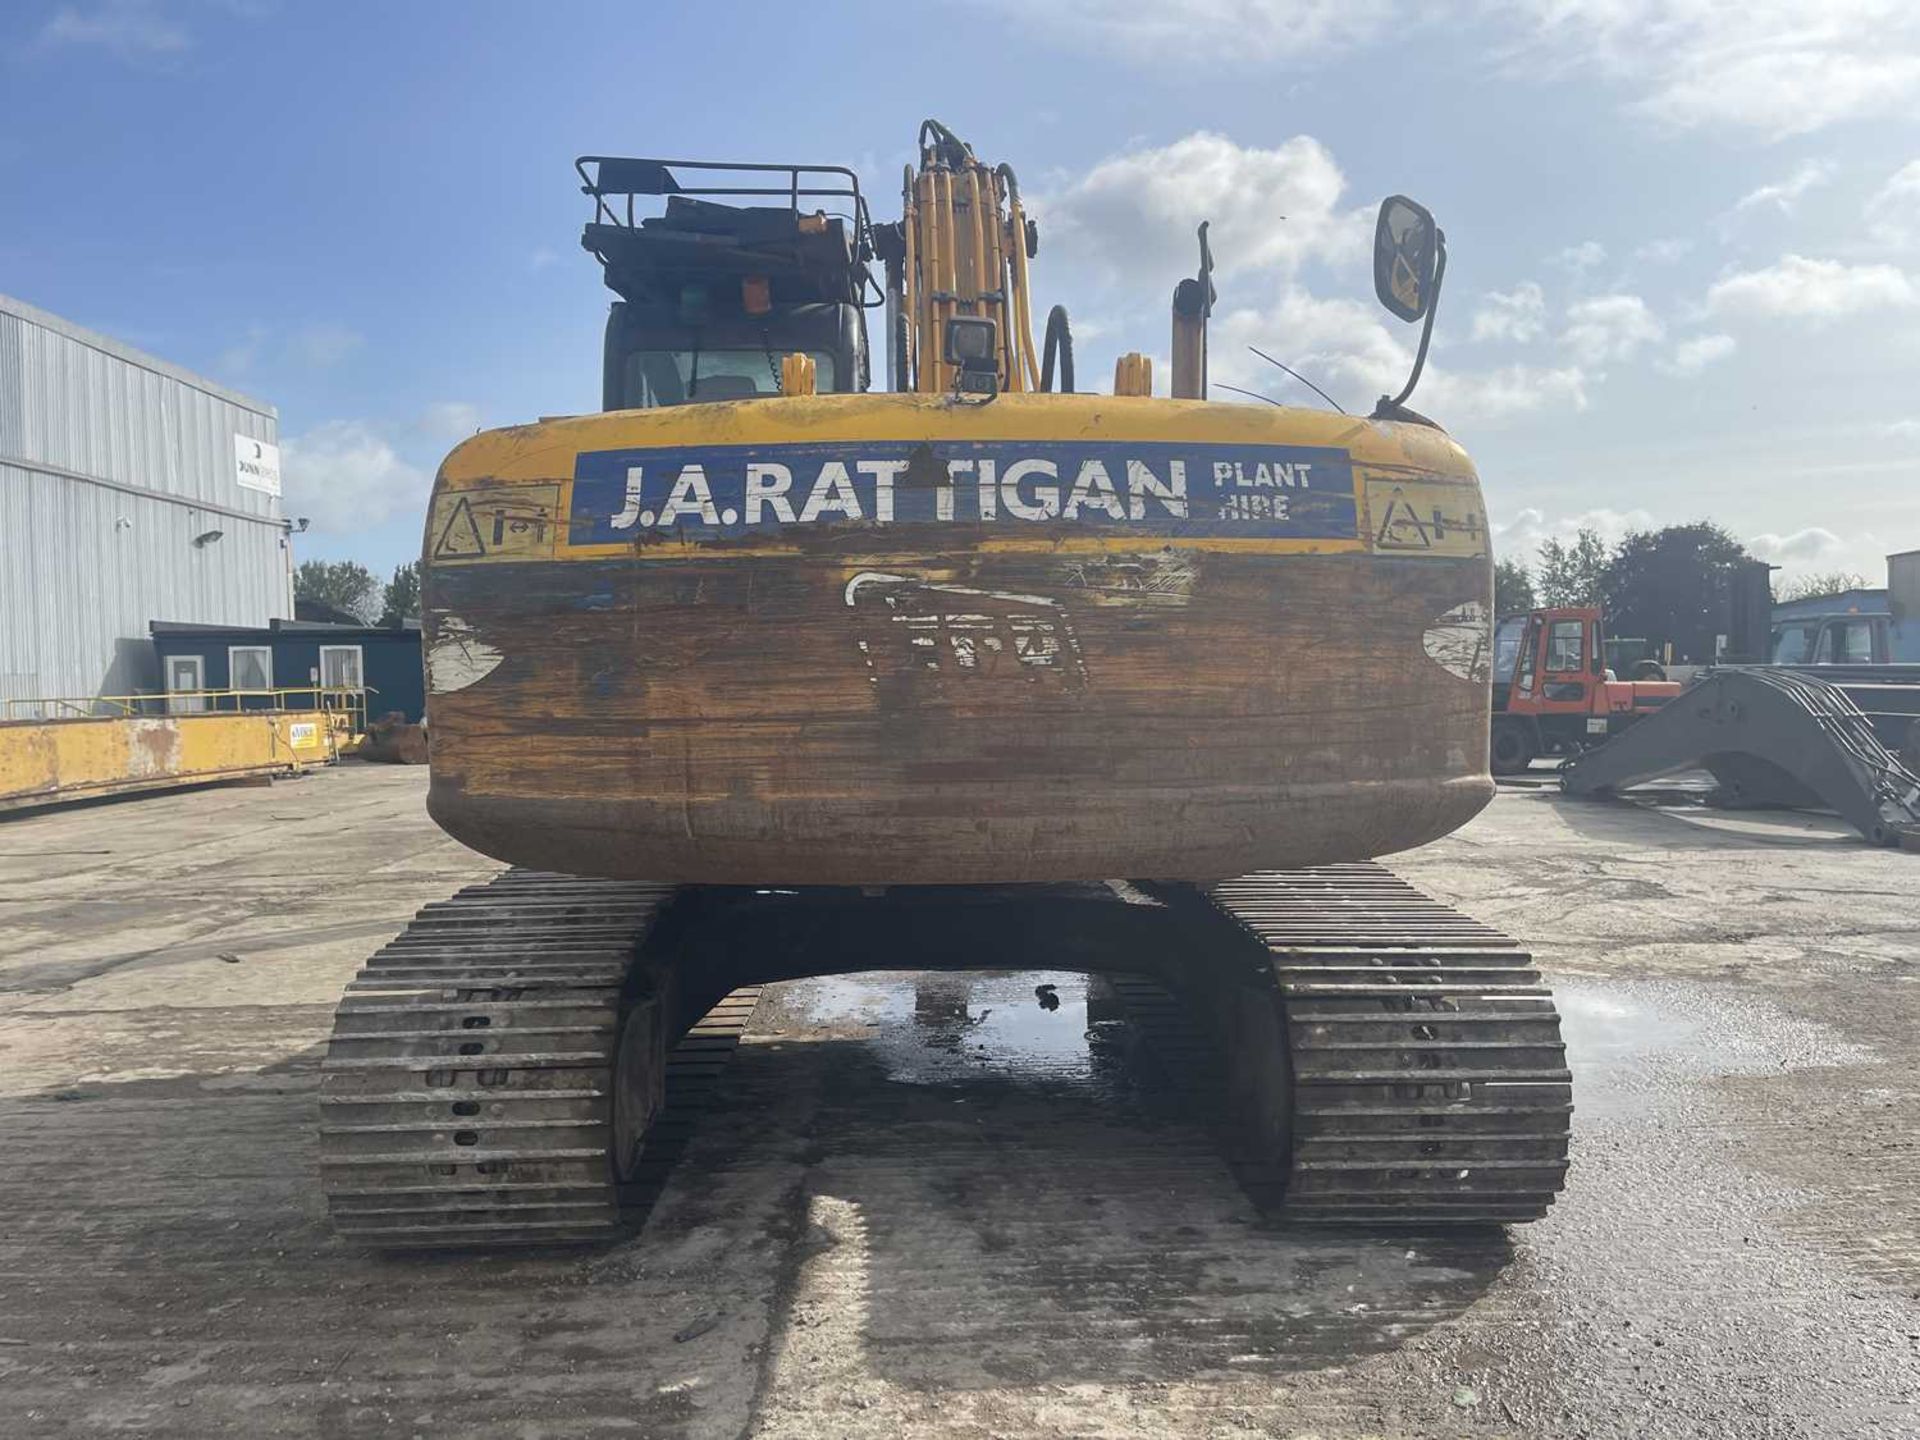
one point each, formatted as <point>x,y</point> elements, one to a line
<point>1391,407</point>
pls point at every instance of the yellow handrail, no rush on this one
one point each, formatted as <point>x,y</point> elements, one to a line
<point>350,699</point>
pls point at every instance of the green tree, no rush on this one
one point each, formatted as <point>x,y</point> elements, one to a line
<point>1512,587</point>
<point>1825,582</point>
<point>345,585</point>
<point>1671,585</point>
<point>1570,573</point>
<point>401,599</point>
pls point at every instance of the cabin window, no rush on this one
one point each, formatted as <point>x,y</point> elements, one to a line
<point>1506,647</point>
<point>1793,645</point>
<point>340,668</point>
<point>680,377</point>
<point>186,673</point>
<point>1846,642</point>
<point>1567,647</point>
<point>249,667</point>
<point>1528,656</point>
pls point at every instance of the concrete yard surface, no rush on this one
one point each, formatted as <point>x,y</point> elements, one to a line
<point>930,1205</point>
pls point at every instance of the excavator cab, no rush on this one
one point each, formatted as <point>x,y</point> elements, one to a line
<point>720,284</point>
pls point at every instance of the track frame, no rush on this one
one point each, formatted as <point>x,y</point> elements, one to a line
<point>514,1067</point>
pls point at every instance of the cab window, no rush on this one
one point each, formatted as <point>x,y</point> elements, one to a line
<point>1846,642</point>
<point>1793,645</point>
<point>682,377</point>
<point>1506,646</point>
<point>1567,647</point>
<point>1527,656</point>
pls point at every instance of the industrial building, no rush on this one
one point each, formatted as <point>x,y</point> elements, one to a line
<point>130,491</point>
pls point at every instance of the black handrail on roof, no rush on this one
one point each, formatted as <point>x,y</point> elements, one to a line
<point>633,176</point>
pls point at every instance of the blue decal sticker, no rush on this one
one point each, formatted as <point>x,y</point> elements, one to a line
<point>1301,492</point>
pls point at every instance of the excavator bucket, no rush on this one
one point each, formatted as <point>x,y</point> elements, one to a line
<point>1771,738</point>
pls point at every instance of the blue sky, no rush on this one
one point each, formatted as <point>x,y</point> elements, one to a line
<point>1684,235</point>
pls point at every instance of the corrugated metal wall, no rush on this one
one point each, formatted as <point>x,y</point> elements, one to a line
<point>111,463</point>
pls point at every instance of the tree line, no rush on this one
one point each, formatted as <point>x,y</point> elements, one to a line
<point>351,589</point>
<point>1664,586</point>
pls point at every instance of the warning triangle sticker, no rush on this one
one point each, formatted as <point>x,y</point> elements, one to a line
<point>460,536</point>
<point>1401,528</point>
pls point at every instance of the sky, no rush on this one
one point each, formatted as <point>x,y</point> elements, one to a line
<point>1683,235</point>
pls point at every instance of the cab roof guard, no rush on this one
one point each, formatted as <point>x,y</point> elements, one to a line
<point>613,179</point>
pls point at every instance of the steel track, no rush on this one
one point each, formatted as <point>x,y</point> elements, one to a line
<point>1408,1059</point>
<point>467,1092</point>
<point>1416,1076</point>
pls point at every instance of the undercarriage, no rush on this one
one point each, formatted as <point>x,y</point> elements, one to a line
<point>520,1064</point>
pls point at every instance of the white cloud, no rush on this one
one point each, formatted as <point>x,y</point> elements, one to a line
<point>1802,547</point>
<point>1133,216</point>
<point>1799,288</point>
<point>1819,551</point>
<point>1520,538</point>
<point>1778,67</point>
<point>1210,32</point>
<point>1663,252</point>
<point>324,344</point>
<point>1692,356</point>
<point>1491,396</point>
<point>129,29</point>
<point>1582,257</point>
<point>1274,210</point>
<point>1610,327</point>
<point>1783,195</point>
<point>541,258</point>
<point>1346,348</point>
<point>449,420</point>
<point>1519,314</point>
<point>345,477</point>
<point>1893,211</point>
<point>1902,429</point>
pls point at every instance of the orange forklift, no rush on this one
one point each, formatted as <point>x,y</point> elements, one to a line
<point>1552,691</point>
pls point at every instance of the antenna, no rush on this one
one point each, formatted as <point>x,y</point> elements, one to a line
<point>1301,378</point>
<point>1250,394</point>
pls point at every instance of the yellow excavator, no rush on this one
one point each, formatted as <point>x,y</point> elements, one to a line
<point>760,674</point>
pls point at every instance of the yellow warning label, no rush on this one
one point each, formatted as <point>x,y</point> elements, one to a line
<point>1424,517</point>
<point>499,522</point>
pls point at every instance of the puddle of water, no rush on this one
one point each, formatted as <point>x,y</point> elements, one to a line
<point>937,1028</point>
<point>1629,1042</point>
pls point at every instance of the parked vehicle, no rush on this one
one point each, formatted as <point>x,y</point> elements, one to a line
<point>1553,693</point>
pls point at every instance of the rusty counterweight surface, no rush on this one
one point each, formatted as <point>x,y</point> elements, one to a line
<point>1079,664</point>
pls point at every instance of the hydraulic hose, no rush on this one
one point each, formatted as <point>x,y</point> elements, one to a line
<point>1059,339</point>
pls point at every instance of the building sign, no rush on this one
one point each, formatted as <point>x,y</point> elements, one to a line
<point>256,465</point>
<point>1186,489</point>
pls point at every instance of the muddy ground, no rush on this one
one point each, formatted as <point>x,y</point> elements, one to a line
<point>928,1206</point>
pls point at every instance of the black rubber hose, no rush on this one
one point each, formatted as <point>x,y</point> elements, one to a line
<point>1060,339</point>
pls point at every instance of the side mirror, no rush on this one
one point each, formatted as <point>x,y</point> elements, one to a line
<point>1405,246</point>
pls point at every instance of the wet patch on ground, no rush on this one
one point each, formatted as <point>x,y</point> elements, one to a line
<point>939,1206</point>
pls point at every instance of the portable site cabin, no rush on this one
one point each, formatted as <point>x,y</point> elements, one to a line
<point>290,654</point>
